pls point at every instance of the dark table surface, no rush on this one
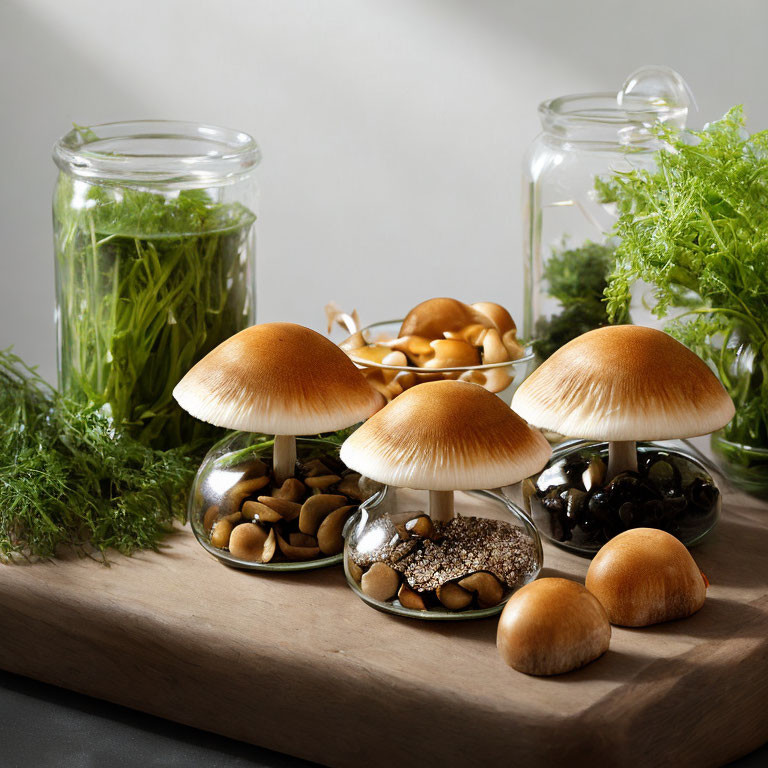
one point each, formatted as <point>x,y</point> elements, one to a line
<point>42,726</point>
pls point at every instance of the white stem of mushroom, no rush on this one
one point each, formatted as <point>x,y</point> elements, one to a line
<point>284,458</point>
<point>441,505</point>
<point>622,457</point>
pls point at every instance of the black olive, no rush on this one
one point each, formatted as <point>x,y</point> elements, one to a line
<point>702,494</point>
<point>663,476</point>
<point>599,504</point>
<point>627,513</point>
<point>675,507</point>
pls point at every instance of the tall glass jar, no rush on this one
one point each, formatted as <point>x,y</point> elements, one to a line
<point>567,254</point>
<point>154,242</point>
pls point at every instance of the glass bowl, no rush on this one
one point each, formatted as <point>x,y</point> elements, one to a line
<point>573,507</point>
<point>289,528</point>
<point>398,560</point>
<point>501,378</point>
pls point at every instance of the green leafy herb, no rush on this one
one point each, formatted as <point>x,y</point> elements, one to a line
<point>147,284</point>
<point>696,229</point>
<point>68,477</point>
<point>577,278</point>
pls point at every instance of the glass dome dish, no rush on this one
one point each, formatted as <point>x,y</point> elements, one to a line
<point>574,508</point>
<point>391,380</point>
<point>398,560</point>
<point>243,518</point>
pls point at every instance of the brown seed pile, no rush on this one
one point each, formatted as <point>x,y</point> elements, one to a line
<point>460,546</point>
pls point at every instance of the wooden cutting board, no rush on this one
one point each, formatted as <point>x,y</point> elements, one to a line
<point>298,664</point>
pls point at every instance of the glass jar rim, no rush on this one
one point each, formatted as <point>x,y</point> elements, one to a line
<point>157,152</point>
<point>579,112</point>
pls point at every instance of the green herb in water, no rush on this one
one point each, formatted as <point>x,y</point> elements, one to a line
<point>147,284</point>
<point>67,477</point>
<point>577,278</point>
<point>696,229</point>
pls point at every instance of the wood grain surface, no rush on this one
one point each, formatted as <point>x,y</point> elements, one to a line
<point>297,663</point>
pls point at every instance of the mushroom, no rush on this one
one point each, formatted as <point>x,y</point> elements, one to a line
<point>288,510</point>
<point>645,576</point>
<point>621,384</point>
<point>452,353</point>
<point>316,508</point>
<point>467,438</point>
<point>497,314</point>
<point>321,481</point>
<point>256,510</point>
<point>432,318</point>
<point>453,597</point>
<point>329,537</point>
<point>296,551</point>
<point>486,586</point>
<point>380,582</point>
<point>410,598</point>
<point>551,626</point>
<point>281,379</point>
<point>250,541</point>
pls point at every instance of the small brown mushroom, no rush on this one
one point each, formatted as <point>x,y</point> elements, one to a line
<point>316,508</point>
<point>410,598</point>
<point>350,486</point>
<point>291,490</point>
<point>355,571</point>
<point>302,540</point>
<point>250,541</point>
<point>288,510</point>
<point>220,533</point>
<point>314,468</point>
<point>452,353</point>
<point>329,537</point>
<point>413,346</point>
<point>380,582</point>
<point>255,510</point>
<point>321,481</point>
<point>211,516</point>
<point>420,526</point>
<point>453,597</point>
<point>252,469</point>
<point>293,552</point>
<point>232,500</point>
<point>494,350</point>
<point>488,588</point>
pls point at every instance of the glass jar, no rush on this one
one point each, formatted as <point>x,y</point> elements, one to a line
<point>574,507</point>
<point>398,560</point>
<point>240,516</point>
<point>154,242</point>
<point>567,254</point>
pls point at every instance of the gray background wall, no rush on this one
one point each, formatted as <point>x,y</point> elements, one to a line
<point>392,130</point>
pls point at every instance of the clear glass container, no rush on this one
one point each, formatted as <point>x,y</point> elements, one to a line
<point>501,378</point>
<point>154,242</point>
<point>574,507</point>
<point>567,254</point>
<point>398,560</point>
<point>292,527</point>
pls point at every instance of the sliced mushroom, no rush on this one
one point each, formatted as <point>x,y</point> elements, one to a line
<point>291,490</point>
<point>288,510</point>
<point>315,468</point>
<point>316,508</point>
<point>420,526</point>
<point>410,598</point>
<point>473,334</point>
<point>497,314</point>
<point>232,500</point>
<point>413,346</point>
<point>293,552</point>
<point>396,358</point>
<point>453,597</point>
<point>350,486</point>
<point>594,474</point>
<point>473,377</point>
<point>329,537</point>
<point>380,582</point>
<point>250,541</point>
<point>513,346</point>
<point>321,481</point>
<point>210,517</point>
<point>255,510</point>
<point>452,353</point>
<point>371,353</point>
<point>368,487</point>
<point>355,571</point>
<point>404,380</point>
<point>252,468</point>
<point>494,350</point>
<point>498,379</point>
<point>488,588</point>
<point>220,533</point>
<point>528,489</point>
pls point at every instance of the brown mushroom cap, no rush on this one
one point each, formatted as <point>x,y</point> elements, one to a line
<point>277,378</point>
<point>551,626</point>
<point>446,435</point>
<point>497,314</point>
<point>432,318</point>
<point>624,382</point>
<point>644,576</point>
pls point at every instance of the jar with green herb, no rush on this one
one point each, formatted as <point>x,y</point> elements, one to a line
<point>568,253</point>
<point>154,243</point>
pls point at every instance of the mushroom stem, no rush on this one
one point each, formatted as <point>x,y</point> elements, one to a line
<point>284,458</point>
<point>622,457</point>
<point>441,505</point>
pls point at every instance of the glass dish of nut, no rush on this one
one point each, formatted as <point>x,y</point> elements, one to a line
<point>620,389</point>
<point>264,499</point>
<point>435,543</point>
<point>439,339</point>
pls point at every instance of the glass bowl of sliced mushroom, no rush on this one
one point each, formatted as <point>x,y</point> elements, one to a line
<point>263,498</point>
<point>438,541</point>
<point>621,390</point>
<point>439,339</point>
